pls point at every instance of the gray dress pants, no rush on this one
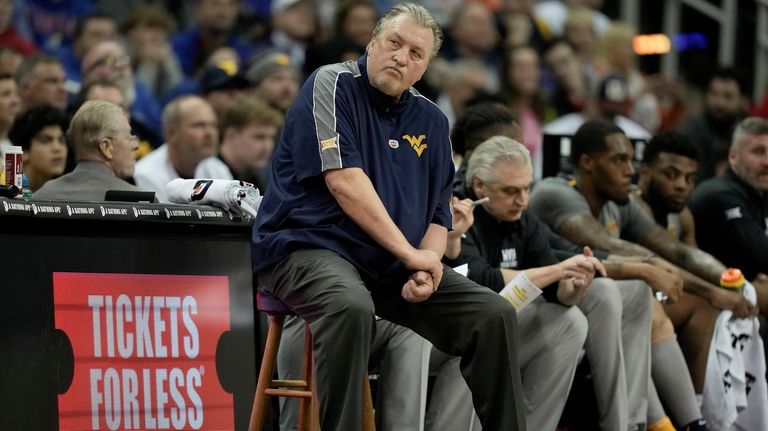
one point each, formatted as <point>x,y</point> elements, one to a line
<point>461,318</point>
<point>402,359</point>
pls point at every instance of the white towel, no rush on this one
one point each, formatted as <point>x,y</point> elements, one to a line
<point>239,198</point>
<point>735,389</point>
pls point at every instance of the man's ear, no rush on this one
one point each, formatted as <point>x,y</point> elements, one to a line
<point>478,187</point>
<point>170,134</point>
<point>733,154</point>
<point>105,148</point>
<point>586,163</point>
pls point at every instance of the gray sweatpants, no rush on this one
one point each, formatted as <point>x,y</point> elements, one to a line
<point>461,318</point>
<point>551,338</point>
<point>618,348</point>
<point>402,358</point>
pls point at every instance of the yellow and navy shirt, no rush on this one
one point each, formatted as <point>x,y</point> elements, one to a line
<point>340,121</point>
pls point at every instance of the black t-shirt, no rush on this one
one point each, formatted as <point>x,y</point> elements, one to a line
<point>732,223</point>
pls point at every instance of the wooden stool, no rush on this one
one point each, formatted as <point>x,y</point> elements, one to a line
<point>305,389</point>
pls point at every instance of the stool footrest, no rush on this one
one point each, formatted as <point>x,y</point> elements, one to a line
<point>289,384</point>
<point>287,393</point>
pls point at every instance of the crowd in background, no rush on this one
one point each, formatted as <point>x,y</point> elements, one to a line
<point>206,84</point>
<point>542,60</point>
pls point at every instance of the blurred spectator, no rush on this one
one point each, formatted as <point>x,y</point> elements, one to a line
<point>725,104</point>
<point>9,36</point>
<point>473,35</point>
<point>107,91</point>
<point>522,86</point>
<point>354,23</point>
<point>191,135</point>
<point>179,10</point>
<point>10,60</point>
<point>248,134</point>
<point>215,21</point>
<point>103,90</point>
<point>155,64</point>
<point>50,24</point>
<point>102,137</point>
<point>108,61</point>
<point>90,30</point>
<point>521,27</point>
<point>273,78</point>
<point>612,103</point>
<point>294,24</point>
<point>571,91</point>
<point>355,20</point>
<point>621,58</point>
<point>41,81</point>
<point>582,36</point>
<point>556,12</point>
<point>462,80</point>
<point>220,85</point>
<point>672,97</point>
<point>39,131</point>
<point>223,57</point>
<point>9,106</point>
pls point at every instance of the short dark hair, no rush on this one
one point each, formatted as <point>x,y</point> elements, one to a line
<point>474,121</point>
<point>83,21</point>
<point>732,74</point>
<point>670,142</point>
<point>30,122</point>
<point>590,138</point>
<point>29,64</point>
<point>82,96</point>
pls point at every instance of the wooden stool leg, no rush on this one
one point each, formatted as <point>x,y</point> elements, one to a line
<point>260,400</point>
<point>308,412</point>
<point>368,417</point>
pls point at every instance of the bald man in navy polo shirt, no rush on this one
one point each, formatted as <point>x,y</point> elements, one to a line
<point>355,222</point>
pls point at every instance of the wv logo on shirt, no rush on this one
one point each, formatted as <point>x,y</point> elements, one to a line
<point>416,143</point>
<point>508,258</point>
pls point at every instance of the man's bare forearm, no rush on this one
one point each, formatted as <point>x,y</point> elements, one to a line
<point>358,199</point>
<point>588,231</point>
<point>698,286</point>
<point>620,269</point>
<point>436,239</point>
<point>704,265</point>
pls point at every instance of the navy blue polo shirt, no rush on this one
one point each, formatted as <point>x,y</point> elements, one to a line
<point>340,121</point>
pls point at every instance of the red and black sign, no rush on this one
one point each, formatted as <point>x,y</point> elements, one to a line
<point>144,349</point>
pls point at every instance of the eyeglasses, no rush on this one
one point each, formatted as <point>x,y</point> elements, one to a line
<point>133,139</point>
<point>112,61</point>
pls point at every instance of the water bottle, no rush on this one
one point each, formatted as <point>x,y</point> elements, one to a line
<point>733,280</point>
<point>26,193</point>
